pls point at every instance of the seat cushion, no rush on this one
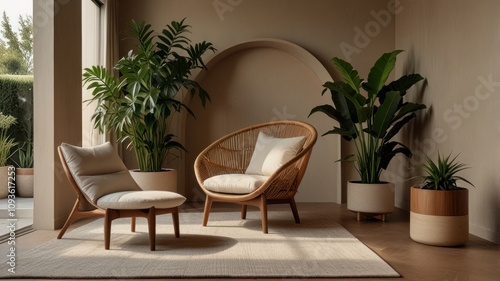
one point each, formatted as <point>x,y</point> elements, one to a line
<point>143,199</point>
<point>271,153</point>
<point>234,183</point>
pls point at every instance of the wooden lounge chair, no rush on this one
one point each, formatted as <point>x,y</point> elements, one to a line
<point>104,187</point>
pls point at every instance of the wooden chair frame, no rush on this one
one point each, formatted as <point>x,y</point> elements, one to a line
<point>231,154</point>
<point>84,208</point>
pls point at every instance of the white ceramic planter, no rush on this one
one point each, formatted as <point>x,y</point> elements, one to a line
<point>24,182</point>
<point>370,199</point>
<point>164,180</point>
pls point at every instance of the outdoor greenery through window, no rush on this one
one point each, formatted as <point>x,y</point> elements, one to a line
<point>16,78</point>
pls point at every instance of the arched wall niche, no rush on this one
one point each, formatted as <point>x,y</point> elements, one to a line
<point>259,81</point>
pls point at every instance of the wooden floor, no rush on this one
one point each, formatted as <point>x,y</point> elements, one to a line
<point>476,261</point>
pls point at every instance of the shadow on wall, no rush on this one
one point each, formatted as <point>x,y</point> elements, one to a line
<point>403,169</point>
<point>494,202</point>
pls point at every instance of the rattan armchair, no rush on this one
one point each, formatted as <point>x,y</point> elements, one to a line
<point>232,153</point>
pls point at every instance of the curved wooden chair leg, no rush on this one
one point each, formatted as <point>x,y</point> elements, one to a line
<point>76,214</point>
<point>72,217</point>
<point>293,206</point>
<point>206,212</point>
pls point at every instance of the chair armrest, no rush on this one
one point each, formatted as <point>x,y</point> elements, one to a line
<point>205,168</point>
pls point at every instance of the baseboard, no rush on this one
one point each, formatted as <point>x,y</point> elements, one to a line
<point>403,205</point>
<point>484,233</point>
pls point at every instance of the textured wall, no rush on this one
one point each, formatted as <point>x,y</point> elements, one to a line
<point>455,45</point>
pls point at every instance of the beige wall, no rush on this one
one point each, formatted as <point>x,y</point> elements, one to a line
<point>57,112</point>
<point>353,30</point>
<point>456,46</point>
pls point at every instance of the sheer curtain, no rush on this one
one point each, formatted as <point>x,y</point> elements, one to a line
<point>111,50</point>
<point>100,47</point>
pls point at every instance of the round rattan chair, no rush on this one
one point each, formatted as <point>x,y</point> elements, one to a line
<point>232,153</point>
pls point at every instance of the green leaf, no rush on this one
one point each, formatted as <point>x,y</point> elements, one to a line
<point>385,114</point>
<point>380,72</point>
<point>398,126</point>
<point>346,134</point>
<point>403,84</point>
<point>391,149</point>
<point>329,110</point>
<point>349,74</point>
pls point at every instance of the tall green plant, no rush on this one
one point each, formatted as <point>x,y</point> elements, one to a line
<point>373,119</point>
<point>139,104</point>
<point>6,142</point>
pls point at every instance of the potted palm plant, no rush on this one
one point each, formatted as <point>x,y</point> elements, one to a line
<point>6,145</point>
<point>439,213</point>
<point>139,103</point>
<point>371,121</point>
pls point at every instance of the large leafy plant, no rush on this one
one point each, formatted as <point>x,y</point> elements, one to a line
<point>371,120</point>
<point>139,104</point>
<point>442,174</point>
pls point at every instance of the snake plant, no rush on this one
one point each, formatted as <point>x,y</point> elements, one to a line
<point>442,174</point>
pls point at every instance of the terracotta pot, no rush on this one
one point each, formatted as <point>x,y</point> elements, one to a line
<point>24,182</point>
<point>164,180</point>
<point>439,217</point>
<point>370,199</point>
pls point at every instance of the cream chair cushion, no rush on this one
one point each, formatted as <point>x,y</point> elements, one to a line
<point>271,153</point>
<point>234,183</point>
<point>143,199</point>
<point>94,168</point>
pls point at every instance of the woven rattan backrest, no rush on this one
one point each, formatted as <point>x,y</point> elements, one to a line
<point>232,153</point>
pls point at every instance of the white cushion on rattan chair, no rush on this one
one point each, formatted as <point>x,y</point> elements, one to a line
<point>234,183</point>
<point>144,199</point>
<point>271,153</point>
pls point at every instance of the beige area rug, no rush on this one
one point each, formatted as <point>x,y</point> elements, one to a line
<point>227,248</point>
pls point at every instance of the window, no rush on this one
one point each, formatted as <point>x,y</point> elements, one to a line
<point>92,54</point>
